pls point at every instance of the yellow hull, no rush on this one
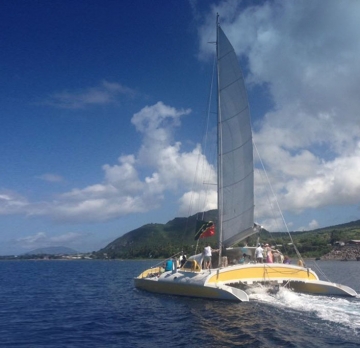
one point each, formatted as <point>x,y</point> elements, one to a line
<point>225,283</point>
<point>266,272</point>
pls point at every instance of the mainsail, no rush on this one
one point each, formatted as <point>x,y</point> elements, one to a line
<point>235,149</point>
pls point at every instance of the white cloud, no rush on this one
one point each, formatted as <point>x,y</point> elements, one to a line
<point>41,240</point>
<point>313,224</point>
<point>106,93</point>
<point>125,175</point>
<point>12,203</point>
<point>161,152</point>
<point>50,177</point>
<point>305,54</point>
<point>333,182</point>
<point>197,201</point>
<point>125,189</point>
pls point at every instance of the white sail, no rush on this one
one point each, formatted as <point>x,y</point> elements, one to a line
<point>235,149</point>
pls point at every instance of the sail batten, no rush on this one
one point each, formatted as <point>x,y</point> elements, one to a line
<point>229,85</point>
<point>233,184</point>
<point>235,151</point>
<point>240,146</point>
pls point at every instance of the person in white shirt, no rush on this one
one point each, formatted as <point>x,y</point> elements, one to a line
<point>259,254</point>
<point>207,256</point>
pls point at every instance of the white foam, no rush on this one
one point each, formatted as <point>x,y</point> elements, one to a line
<point>337,310</point>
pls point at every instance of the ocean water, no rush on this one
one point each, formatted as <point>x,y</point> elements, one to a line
<point>94,304</point>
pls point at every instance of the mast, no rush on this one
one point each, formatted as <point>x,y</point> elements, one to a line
<point>219,141</point>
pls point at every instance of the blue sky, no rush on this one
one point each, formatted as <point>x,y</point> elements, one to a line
<point>102,107</point>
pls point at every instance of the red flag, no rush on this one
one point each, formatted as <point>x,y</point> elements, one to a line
<point>209,232</point>
<point>204,229</point>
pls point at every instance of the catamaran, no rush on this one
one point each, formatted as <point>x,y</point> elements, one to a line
<point>235,185</point>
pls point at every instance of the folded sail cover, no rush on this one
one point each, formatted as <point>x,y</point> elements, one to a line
<point>204,229</point>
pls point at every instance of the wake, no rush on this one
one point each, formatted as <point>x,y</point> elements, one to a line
<point>342,311</point>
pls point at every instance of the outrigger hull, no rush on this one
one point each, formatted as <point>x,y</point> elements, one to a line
<point>322,288</point>
<point>230,283</point>
<point>221,292</point>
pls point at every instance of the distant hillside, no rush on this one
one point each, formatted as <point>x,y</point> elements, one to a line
<point>52,251</point>
<point>163,240</point>
<point>159,240</point>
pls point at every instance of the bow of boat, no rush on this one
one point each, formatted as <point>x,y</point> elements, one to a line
<point>189,284</point>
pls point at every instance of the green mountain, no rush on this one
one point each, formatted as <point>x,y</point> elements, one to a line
<point>164,240</point>
<point>160,240</point>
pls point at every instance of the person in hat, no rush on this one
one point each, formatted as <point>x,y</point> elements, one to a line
<point>269,255</point>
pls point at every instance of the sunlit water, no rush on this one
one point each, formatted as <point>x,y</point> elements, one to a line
<point>94,304</point>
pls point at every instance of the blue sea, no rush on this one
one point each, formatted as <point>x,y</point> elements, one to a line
<point>92,303</point>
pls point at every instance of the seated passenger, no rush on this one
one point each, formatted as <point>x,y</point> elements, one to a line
<point>243,259</point>
<point>169,265</point>
<point>183,260</point>
<point>286,260</point>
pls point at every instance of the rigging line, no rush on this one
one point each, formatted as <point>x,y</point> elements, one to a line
<point>272,210</point>
<point>196,248</point>
<point>162,261</point>
<point>209,105</point>
<point>290,271</point>
<point>269,198</point>
<point>206,174</point>
<point>321,271</point>
<point>205,144</point>
<point>205,141</point>
<point>277,202</point>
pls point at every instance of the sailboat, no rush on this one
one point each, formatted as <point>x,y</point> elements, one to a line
<point>235,184</point>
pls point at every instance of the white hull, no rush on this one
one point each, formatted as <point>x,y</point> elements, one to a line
<point>229,283</point>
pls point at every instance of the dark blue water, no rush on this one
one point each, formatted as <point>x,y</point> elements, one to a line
<point>94,304</point>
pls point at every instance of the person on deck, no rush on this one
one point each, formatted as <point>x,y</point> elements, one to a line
<point>207,256</point>
<point>300,263</point>
<point>182,260</point>
<point>169,265</point>
<point>287,260</point>
<point>243,259</point>
<point>269,255</point>
<point>276,255</point>
<point>259,254</point>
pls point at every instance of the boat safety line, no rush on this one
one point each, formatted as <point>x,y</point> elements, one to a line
<point>162,261</point>
<point>277,202</point>
<point>293,271</point>
<point>321,271</point>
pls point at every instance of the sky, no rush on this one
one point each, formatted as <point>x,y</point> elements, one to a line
<point>102,108</point>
